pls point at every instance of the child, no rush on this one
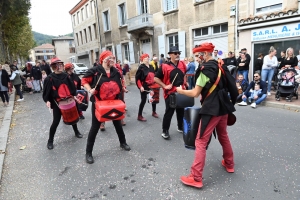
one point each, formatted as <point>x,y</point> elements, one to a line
<point>288,78</point>
<point>44,75</point>
<point>29,84</point>
<point>255,92</point>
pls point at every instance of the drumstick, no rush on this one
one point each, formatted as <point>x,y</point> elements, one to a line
<point>98,81</point>
<point>174,78</point>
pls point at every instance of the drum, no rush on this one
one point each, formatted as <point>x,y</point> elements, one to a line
<point>191,121</point>
<point>181,101</point>
<point>82,99</point>
<point>69,111</point>
<point>108,110</point>
<point>153,95</point>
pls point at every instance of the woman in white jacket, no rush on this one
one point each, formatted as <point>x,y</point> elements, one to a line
<point>269,64</point>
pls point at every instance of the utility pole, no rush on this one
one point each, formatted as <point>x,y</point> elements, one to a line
<point>98,22</point>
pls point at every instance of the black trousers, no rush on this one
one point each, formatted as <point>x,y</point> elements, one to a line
<point>18,89</point>
<point>169,114</point>
<point>95,128</point>
<point>55,122</point>
<point>4,96</point>
<point>143,102</point>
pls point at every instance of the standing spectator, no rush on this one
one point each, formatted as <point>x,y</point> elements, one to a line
<point>215,56</point>
<point>126,72</point>
<point>8,70</point>
<point>290,60</point>
<point>231,61</point>
<point>36,77</point>
<point>190,72</point>
<point>270,62</point>
<point>162,59</point>
<point>96,63</point>
<point>15,63</point>
<point>4,80</point>
<point>16,81</point>
<point>45,67</point>
<point>281,58</point>
<point>258,63</point>
<point>154,63</point>
<point>298,57</point>
<point>27,70</point>
<point>243,66</point>
<point>248,57</point>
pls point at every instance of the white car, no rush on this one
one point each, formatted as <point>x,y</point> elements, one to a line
<point>80,68</point>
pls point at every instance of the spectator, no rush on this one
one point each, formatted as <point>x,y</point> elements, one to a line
<point>154,63</point>
<point>190,72</point>
<point>15,63</point>
<point>4,80</point>
<point>290,60</point>
<point>96,63</point>
<point>215,56</point>
<point>259,98</point>
<point>16,81</point>
<point>254,93</point>
<point>231,61</point>
<point>29,85</point>
<point>281,58</point>
<point>258,63</point>
<point>126,72</point>
<point>242,86</point>
<point>162,59</point>
<point>298,57</point>
<point>8,70</point>
<point>248,57</point>
<point>243,66</point>
<point>36,77</point>
<point>45,67</point>
<point>269,64</point>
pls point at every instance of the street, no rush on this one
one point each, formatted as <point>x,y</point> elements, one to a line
<point>265,142</point>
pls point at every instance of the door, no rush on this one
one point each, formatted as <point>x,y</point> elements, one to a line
<point>146,46</point>
<point>143,7</point>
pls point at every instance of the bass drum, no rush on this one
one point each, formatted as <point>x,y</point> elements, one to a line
<point>191,121</point>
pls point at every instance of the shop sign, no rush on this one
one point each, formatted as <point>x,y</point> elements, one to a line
<point>276,32</point>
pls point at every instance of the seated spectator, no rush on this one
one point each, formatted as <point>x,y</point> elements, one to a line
<point>241,85</point>
<point>259,98</point>
<point>254,93</point>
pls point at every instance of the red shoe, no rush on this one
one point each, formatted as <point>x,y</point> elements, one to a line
<point>154,114</point>
<point>102,126</point>
<point>227,169</point>
<point>141,118</point>
<point>189,180</point>
<point>123,123</point>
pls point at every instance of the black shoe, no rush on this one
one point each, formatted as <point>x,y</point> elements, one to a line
<point>38,91</point>
<point>50,145</point>
<point>78,134</point>
<point>34,91</point>
<point>81,117</point>
<point>89,158</point>
<point>165,135</point>
<point>125,147</point>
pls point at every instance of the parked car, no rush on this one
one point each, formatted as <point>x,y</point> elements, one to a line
<point>80,68</point>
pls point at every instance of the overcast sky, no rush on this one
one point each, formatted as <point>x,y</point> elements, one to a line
<point>52,17</point>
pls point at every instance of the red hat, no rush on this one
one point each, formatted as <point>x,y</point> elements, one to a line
<point>209,47</point>
<point>104,55</point>
<point>55,60</point>
<point>68,66</point>
<point>144,56</point>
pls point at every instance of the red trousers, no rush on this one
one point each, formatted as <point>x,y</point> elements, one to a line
<point>220,123</point>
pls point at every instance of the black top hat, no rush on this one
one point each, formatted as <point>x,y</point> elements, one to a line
<point>174,49</point>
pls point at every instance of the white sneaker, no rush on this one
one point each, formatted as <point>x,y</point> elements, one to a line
<point>253,105</point>
<point>269,93</point>
<point>21,99</point>
<point>243,103</point>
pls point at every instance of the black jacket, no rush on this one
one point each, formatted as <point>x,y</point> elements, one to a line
<point>142,75</point>
<point>36,73</point>
<point>4,78</point>
<point>230,61</point>
<point>292,61</point>
<point>76,80</point>
<point>258,64</point>
<point>46,68</point>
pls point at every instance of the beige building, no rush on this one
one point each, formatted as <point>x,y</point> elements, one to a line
<point>42,52</point>
<point>86,32</point>
<point>262,24</point>
<point>64,48</point>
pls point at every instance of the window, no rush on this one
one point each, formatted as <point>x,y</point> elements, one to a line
<point>87,11</point>
<point>106,21</point>
<point>216,29</point>
<point>109,48</point>
<point>90,32</point>
<point>268,5</point>
<point>143,6</point>
<point>95,30</point>
<point>92,7</point>
<point>82,14</point>
<point>38,51</point>
<point>77,39</point>
<point>85,35</point>
<point>201,31</point>
<point>77,17</point>
<point>170,5</point>
<point>173,41</point>
<point>126,52</point>
<point>220,28</point>
<point>72,49</point>
<point>74,20</point>
<point>81,37</point>
<point>122,14</point>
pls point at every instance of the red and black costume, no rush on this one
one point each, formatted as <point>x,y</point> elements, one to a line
<point>167,73</point>
<point>145,78</point>
<point>52,94</point>
<point>108,88</point>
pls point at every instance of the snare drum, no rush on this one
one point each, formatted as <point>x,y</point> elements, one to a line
<point>69,111</point>
<point>108,110</point>
<point>153,95</point>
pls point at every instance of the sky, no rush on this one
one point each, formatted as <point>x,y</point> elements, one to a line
<point>52,17</point>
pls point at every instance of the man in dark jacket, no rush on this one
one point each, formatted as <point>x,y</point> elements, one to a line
<point>258,99</point>
<point>242,86</point>
<point>36,77</point>
<point>216,106</point>
<point>45,67</point>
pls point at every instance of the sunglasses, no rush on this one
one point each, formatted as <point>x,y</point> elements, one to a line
<point>256,76</point>
<point>176,53</point>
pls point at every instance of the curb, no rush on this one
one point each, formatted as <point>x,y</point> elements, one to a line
<point>4,130</point>
<point>282,106</point>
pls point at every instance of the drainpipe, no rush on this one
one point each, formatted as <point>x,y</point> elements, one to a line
<point>97,15</point>
<point>236,24</point>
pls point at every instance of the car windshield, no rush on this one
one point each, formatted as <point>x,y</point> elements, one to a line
<point>80,65</point>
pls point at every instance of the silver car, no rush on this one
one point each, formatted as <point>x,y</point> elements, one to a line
<point>80,68</point>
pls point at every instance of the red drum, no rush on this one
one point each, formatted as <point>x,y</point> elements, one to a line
<point>153,96</point>
<point>108,110</point>
<point>69,111</point>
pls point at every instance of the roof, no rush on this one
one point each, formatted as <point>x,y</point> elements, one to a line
<point>45,46</point>
<point>77,6</point>
<point>62,38</point>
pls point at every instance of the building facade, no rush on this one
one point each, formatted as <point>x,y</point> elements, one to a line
<point>262,24</point>
<point>42,52</point>
<point>64,48</point>
<point>86,32</point>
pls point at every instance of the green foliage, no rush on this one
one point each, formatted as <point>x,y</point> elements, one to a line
<point>40,38</point>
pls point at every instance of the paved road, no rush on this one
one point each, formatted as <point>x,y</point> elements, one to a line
<point>265,141</point>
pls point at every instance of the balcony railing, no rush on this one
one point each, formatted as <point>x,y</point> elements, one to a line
<point>140,22</point>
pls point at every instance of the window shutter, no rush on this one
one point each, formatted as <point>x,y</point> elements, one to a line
<point>181,42</point>
<point>131,52</point>
<point>161,45</point>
